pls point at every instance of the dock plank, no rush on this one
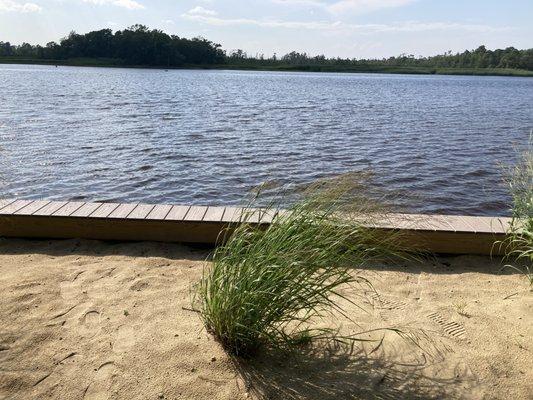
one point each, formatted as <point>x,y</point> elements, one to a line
<point>5,202</point>
<point>68,209</point>
<point>195,213</point>
<point>50,208</point>
<point>86,210</point>
<point>214,214</point>
<point>104,210</point>
<point>177,213</point>
<point>32,207</point>
<point>15,206</point>
<point>122,211</point>
<point>141,211</point>
<point>159,212</point>
<point>253,216</point>
<point>491,224</point>
<point>459,224</point>
<point>267,216</point>
<point>421,222</point>
<point>232,214</point>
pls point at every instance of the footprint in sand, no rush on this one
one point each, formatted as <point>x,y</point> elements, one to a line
<point>387,304</point>
<point>90,323</point>
<point>125,339</point>
<point>71,288</point>
<point>452,328</point>
<point>100,387</point>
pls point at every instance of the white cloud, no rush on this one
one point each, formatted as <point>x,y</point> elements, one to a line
<point>129,4</point>
<point>307,3</point>
<point>364,6</point>
<point>199,10</point>
<point>10,5</point>
<point>340,7</point>
<point>342,27</point>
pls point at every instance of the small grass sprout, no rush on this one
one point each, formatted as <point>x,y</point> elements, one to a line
<point>460,308</point>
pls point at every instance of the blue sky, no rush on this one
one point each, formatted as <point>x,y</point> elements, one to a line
<point>345,28</point>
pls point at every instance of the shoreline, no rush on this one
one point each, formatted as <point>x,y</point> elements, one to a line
<point>95,63</point>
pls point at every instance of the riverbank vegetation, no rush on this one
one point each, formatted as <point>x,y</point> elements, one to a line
<point>519,245</point>
<point>139,46</point>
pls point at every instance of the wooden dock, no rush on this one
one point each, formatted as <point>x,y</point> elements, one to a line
<point>203,224</point>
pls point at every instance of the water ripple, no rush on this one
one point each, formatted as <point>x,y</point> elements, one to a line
<point>207,137</point>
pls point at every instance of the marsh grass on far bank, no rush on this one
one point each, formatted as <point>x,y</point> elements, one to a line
<point>268,286</point>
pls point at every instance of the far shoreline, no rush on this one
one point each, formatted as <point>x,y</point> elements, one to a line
<point>289,68</point>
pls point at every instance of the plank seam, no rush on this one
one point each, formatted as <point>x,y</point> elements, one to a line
<point>40,208</point>
<point>70,213</point>
<point>127,215</point>
<point>8,204</point>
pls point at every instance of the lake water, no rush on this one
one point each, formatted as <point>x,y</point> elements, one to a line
<point>208,137</point>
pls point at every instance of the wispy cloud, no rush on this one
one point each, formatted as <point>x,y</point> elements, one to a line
<point>14,6</point>
<point>307,3</point>
<point>338,26</point>
<point>347,6</point>
<point>364,6</point>
<point>129,4</point>
<point>199,10</point>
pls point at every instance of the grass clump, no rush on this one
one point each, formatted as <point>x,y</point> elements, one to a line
<point>266,286</point>
<point>519,244</point>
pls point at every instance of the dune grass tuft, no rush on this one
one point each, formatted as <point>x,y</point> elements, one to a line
<point>519,245</point>
<point>267,286</point>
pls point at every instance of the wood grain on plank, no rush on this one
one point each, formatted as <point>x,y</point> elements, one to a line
<point>32,207</point>
<point>122,211</point>
<point>214,214</point>
<point>232,214</point>
<point>86,210</point>
<point>104,210</point>
<point>159,212</point>
<point>5,202</point>
<point>15,206</point>
<point>141,211</point>
<point>68,209</point>
<point>460,224</point>
<point>195,213</point>
<point>490,224</point>
<point>50,208</point>
<point>177,213</point>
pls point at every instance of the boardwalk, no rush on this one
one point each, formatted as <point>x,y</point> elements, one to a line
<point>203,224</point>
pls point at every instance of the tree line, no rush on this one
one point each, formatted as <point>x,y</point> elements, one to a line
<point>140,46</point>
<point>479,58</point>
<point>136,45</point>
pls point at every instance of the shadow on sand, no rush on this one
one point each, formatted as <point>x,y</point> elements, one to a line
<point>441,264</point>
<point>344,371</point>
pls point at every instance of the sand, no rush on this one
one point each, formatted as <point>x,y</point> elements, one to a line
<point>94,320</point>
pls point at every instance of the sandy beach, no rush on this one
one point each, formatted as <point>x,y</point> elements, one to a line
<point>94,320</point>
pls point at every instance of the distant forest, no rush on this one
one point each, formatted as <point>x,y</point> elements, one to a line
<point>140,46</point>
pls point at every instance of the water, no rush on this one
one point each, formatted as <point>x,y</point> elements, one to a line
<point>208,137</point>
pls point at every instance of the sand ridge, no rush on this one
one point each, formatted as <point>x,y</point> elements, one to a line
<point>95,320</point>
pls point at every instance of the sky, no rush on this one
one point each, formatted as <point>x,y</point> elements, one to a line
<point>335,28</point>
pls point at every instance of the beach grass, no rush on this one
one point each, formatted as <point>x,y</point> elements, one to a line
<point>267,287</point>
<point>519,245</point>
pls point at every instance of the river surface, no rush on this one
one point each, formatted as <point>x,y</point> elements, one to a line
<point>207,137</point>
